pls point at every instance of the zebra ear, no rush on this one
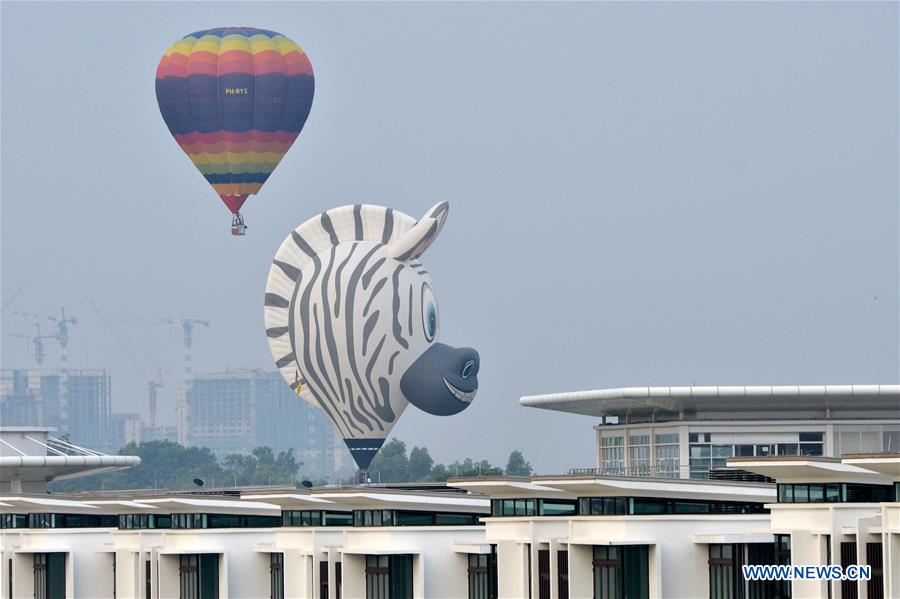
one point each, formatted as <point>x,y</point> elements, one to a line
<point>414,242</point>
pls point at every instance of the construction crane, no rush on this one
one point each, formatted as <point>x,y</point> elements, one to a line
<point>11,298</point>
<point>187,329</point>
<point>152,390</point>
<point>152,386</point>
<point>37,341</point>
<point>62,334</point>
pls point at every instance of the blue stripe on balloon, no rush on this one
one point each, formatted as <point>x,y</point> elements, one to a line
<point>237,177</point>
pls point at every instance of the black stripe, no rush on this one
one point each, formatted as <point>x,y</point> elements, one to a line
<point>276,331</point>
<point>326,224</point>
<point>301,243</point>
<point>276,301</point>
<point>285,360</point>
<point>292,272</point>
<point>388,226</point>
<point>357,220</point>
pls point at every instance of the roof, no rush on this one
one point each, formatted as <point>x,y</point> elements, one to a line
<point>755,401</point>
<point>805,469</point>
<point>569,486</point>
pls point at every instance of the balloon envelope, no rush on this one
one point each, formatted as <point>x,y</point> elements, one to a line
<point>235,99</point>
<point>352,322</point>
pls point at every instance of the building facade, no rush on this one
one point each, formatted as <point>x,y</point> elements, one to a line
<point>77,403</point>
<point>237,411</point>
<point>546,537</point>
<point>687,432</point>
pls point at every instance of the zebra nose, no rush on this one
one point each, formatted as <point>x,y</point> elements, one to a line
<point>470,361</point>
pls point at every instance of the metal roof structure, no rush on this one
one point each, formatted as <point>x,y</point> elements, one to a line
<point>769,402</point>
<point>30,456</point>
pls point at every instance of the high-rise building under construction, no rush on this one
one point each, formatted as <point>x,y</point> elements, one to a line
<point>238,410</point>
<point>76,403</point>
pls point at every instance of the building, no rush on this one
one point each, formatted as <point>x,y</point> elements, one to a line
<point>77,403</point>
<point>546,537</point>
<point>687,432</point>
<point>818,526</point>
<point>238,410</point>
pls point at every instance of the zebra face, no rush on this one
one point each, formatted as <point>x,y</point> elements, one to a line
<point>353,322</point>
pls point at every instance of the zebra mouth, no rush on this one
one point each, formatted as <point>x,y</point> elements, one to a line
<point>464,396</point>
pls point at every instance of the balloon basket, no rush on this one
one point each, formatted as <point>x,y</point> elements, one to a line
<point>362,477</point>
<point>237,225</point>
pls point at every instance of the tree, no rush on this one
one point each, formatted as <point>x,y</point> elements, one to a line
<point>390,464</point>
<point>164,465</point>
<point>420,464</point>
<point>517,466</point>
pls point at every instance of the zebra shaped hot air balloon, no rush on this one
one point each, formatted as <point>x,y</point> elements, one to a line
<point>352,321</point>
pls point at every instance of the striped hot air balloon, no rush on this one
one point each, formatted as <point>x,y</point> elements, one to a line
<point>235,99</point>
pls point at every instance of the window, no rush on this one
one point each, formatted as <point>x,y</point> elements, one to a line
<point>725,579</point>
<point>276,575</point>
<point>13,520</point>
<point>833,493</point>
<point>875,559</point>
<point>621,572</point>
<point>849,589</point>
<point>72,521</point>
<point>49,575</point>
<point>562,574</point>
<point>557,507</point>
<point>219,521</point>
<point>543,574</point>
<point>782,557</point>
<point>483,575</point>
<point>612,455</point>
<point>389,577</point>
<point>639,455</point>
<point>414,518</point>
<point>533,507</point>
<point>667,455</point>
<point>198,576</point>
<point>620,506</point>
<point>323,580</point>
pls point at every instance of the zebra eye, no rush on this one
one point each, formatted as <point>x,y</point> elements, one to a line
<point>429,312</point>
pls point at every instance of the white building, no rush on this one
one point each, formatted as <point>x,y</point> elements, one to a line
<point>685,532</point>
<point>686,432</point>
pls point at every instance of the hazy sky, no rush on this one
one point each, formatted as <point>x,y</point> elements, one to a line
<point>641,194</point>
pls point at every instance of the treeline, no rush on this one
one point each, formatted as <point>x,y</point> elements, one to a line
<point>393,465</point>
<point>168,465</point>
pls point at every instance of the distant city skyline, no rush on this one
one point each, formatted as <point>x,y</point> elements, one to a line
<point>640,194</point>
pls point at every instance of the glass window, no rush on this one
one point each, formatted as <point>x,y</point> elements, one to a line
<point>810,449</point>
<point>557,507</point>
<point>338,519</point>
<point>725,581</point>
<point>276,575</point>
<point>816,493</point>
<point>788,449</point>
<point>483,575</point>
<point>785,494</point>
<point>408,518</point>
<point>812,437</point>
<point>743,450</point>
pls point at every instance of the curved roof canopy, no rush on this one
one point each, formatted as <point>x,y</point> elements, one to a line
<point>769,402</point>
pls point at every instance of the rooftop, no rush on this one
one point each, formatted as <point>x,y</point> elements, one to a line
<point>762,402</point>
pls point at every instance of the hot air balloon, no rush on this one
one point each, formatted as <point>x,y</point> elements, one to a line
<point>352,322</point>
<point>235,99</point>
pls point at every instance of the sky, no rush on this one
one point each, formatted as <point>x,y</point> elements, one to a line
<point>641,194</point>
